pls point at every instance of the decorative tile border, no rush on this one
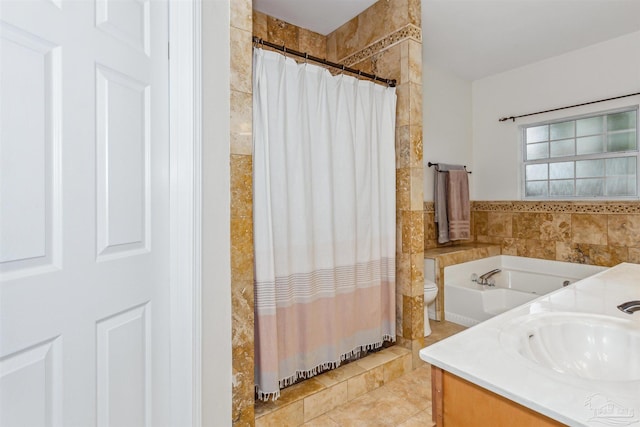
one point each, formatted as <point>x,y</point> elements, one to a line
<point>410,31</point>
<point>616,207</point>
<point>613,207</point>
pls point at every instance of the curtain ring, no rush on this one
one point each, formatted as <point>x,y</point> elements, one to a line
<point>284,49</point>
<point>306,57</point>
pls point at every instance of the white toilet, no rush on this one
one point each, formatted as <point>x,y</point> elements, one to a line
<point>430,293</point>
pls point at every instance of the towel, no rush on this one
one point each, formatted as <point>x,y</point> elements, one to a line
<point>440,199</point>
<point>458,207</point>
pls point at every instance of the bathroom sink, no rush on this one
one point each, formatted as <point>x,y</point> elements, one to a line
<point>589,346</point>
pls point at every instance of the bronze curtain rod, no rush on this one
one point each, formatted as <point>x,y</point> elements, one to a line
<point>306,56</point>
<point>513,118</point>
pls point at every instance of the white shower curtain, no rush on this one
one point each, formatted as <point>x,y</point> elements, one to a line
<point>324,219</point>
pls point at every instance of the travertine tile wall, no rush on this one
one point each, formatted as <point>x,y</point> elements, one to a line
<point>282,33</point>
<point>374,30</point>
<point>386,40</point>
<point>241,221</point>
<point>598,233</point>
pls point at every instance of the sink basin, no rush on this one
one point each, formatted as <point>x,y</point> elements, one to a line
<point>593,347</point>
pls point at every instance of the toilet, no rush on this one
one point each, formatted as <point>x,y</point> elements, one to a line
<point>430,293</point>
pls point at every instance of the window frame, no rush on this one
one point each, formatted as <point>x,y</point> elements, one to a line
<point>578,157</point>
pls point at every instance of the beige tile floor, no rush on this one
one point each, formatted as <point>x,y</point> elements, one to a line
<point>403,402</point>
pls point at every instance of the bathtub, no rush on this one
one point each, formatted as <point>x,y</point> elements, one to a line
<point>520,281</point>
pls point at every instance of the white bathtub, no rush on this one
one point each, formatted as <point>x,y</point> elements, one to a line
<point>520,281</point>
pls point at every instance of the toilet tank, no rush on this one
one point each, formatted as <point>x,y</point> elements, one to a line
<point>430,269</point>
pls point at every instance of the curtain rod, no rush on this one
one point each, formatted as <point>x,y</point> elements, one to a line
<point>513,118</point>
<point>306,56</point>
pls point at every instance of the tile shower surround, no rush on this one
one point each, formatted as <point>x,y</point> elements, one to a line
<point>385,40</point>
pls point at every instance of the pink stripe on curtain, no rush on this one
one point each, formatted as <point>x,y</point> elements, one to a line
<point>308,333</point>
<point>324,219</point>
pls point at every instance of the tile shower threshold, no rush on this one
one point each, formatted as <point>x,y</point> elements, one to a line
<point>316,396</point>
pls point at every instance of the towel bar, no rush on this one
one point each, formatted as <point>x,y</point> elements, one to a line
<point>436,165</point>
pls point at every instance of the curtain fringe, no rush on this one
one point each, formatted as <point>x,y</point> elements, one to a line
<point>267,396</point>
<point>355,353</point>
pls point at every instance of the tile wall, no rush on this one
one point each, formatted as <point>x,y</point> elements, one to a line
<point>598,233</point>
<point>282,33</point>
<point>241,221</point>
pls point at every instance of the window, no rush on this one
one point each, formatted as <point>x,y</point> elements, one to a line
<point>584,157</point>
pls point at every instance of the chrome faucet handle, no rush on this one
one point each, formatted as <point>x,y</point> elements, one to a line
<point>484,279</point>
<point>474,277</point>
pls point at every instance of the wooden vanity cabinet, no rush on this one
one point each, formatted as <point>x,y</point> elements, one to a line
<point>458,403</point>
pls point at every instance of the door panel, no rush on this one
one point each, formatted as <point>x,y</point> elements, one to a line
<point>29,168</point>
<point>127,21</point>
<point>84,279</point>
<point>122,113</point>
<point>123,368</point>
<point>35,372</point>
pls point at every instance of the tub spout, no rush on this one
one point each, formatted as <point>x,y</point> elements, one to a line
<point>484,279</point>
<point>630,307</point>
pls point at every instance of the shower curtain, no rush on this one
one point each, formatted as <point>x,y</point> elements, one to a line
<point>324,219</point>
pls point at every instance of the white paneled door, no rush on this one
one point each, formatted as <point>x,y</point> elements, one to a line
<point>84,202</point>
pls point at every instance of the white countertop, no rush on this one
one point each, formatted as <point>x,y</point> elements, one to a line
<point>478,356</point>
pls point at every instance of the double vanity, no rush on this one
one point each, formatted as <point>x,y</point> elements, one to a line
<point>571,357</point>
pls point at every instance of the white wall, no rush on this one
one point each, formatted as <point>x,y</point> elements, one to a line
<point>446,122</point>
<point>216,250</point>
<point>600,71</point>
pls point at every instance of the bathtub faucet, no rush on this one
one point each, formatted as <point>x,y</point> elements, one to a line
<point>484,279</point>
<point>630,307</point>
